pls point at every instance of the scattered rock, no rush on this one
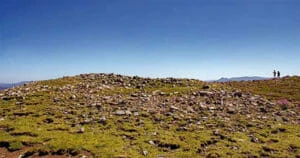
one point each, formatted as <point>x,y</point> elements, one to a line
<point>107,98</point>
<point>136,114</point>
<point>102,120</point>
<point>19,103</point>
<point>174,108</point>
<point>162,93</point>
<point>81,130</point>
<point>134,95</point>
<point>145,152</point>
<point>205,93</point>
<point>151,142</point>
<point>205,109</point>
<point>6,98</point>
<point>155,92</point>
<point>254,139</point>
<point>216,132</point>
<point>120,112</point>
<point>127,112</point>
<point>231,110</point>
<point>73,97</point>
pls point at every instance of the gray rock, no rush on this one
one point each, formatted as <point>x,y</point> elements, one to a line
<point>56,99</point>
<point>155,92</point>
<point>145,152</point>
<point>73,97</point>
<point>285,119</point>
<point>19,103</point>
<point>151,142</point>
<point>102,120</point>
<point>81,130</point>
<point>216,132</point>
<point>106,98</point>
<point>136,113</point>
<point>254,139</point>
<point>120,112</point>
<point>174,108</point>
<point>202,106</point>
<point>127,112</point>
<point>235,148</point>
<point>190,109</point>
<point>134,95</point>
<point>162,93</point>
<point>86,121</point>
<point>212,108</point>
<point>231,110</point>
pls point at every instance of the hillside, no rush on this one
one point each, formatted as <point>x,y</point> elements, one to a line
<point>274,89</point>
<point>108,115</point>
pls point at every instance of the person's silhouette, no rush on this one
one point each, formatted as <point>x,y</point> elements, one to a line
<point>278,74</point>
<point>274,73</point>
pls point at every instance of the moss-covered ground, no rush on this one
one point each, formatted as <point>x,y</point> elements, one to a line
<point>48,121</point>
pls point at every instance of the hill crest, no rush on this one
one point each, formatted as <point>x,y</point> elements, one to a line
<point>145,117</point>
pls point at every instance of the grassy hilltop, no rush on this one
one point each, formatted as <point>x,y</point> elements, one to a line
<point>108,115</point>
<point>274,89</point>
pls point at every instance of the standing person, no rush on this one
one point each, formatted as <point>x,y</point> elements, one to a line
<point>278,74</point>
<point>274,73</point>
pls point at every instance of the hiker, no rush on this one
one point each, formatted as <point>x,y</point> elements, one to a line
<point>274,73</point>
<point>278,74</point>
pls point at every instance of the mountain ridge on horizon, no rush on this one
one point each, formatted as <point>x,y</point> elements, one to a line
<point>10,85</point>
<point>243,78</point>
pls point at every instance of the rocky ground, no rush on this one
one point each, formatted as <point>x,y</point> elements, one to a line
<point>108,115</point>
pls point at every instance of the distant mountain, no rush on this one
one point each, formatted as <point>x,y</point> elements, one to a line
<point>10,85</point>
<point>246,78</point>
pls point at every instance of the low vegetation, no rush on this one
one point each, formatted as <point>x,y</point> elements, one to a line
<point>108,115</point>
<point>274,89</point>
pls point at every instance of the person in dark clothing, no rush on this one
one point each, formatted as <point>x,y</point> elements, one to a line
<point>274,73</point>
<point>278,74</point>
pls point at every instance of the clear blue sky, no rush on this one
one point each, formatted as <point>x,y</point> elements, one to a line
<point>204,39</point>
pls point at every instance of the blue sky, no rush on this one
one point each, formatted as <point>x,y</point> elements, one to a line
<point>203,39</point>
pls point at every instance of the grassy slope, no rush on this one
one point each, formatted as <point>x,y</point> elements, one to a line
<point>121,137</point>
<point>274,89</point>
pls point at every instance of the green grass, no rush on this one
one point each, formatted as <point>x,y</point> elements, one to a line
<point>48,126</point>
<point>275,89</point>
